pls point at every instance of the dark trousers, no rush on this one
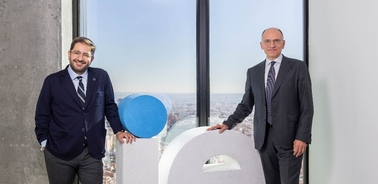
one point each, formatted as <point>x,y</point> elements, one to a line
<point>280,166</point>
<point>88,169</point>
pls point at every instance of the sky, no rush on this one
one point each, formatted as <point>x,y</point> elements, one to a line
<point>150,45</point>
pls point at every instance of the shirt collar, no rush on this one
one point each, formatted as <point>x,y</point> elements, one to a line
<point>278,60</point>
<point>73,75</point>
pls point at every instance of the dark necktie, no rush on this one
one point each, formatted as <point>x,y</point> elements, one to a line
<point>80,91</point>
<point>269,89</point>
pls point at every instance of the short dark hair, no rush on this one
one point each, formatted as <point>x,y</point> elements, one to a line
<point>84,40</point>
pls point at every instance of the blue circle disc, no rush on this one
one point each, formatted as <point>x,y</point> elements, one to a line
<point>142,115</point>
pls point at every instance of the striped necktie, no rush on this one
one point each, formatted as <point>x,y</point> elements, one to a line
<point>269,89</point>
<point>80,91</point>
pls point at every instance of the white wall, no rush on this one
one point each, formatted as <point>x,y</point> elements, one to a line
<point>343,42</point>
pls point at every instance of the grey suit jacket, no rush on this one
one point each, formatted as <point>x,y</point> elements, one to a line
<point>292,104</point>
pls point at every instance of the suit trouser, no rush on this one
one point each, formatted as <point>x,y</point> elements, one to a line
<point>88,169</point>
<point>280,166</point>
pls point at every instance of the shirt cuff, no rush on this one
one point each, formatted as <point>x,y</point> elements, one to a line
<point>43,145</point>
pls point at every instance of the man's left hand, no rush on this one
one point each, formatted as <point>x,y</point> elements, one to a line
<point>299,148</point>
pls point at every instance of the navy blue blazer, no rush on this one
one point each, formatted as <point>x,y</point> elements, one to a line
<point>292,104</point>
<point>62,121</point>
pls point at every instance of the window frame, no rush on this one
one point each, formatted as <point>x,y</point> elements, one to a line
<point>202,55</point>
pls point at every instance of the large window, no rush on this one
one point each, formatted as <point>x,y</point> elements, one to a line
<point>235,35</point>
<point>149,47</point>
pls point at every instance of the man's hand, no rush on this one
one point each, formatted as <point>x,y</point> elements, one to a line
<point>130,138</point>
<point>299,148</point>
<point>221,127</point>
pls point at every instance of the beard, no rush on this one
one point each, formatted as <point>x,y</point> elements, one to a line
<point>79,66</point>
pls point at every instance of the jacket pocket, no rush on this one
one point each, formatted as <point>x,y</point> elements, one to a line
<point>100,98</point>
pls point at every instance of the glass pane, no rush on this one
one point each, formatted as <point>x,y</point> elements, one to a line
<point>235,34</point>
<point>147,47</point>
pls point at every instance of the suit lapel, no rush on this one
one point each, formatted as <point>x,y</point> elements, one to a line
<point>284,69</point>
<point>92,78</point>
<point>261,76</point>
<point>67,82</point>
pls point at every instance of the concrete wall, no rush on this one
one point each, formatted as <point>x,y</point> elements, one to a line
<point>30,49</point>
<point>343,45</point>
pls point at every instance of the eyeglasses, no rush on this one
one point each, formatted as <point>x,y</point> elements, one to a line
<point>275,41</point>
<point>77,53</point>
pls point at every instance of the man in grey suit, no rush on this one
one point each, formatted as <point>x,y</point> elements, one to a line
<point>279,89</point>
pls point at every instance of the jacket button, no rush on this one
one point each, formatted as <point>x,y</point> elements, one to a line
<point>83,129</point>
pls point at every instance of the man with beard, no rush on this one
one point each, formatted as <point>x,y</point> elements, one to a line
<point>70,118</point>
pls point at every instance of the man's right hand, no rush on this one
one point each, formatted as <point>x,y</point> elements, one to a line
<point>125,137</point>
<point>221,127</point>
